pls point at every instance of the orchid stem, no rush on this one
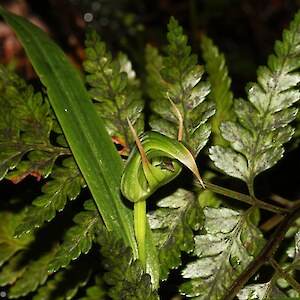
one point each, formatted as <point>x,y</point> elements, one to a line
<point>140,229</point>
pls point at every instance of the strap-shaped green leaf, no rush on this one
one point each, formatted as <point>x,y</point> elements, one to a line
<point>88,139</point>
<point>91,145</point>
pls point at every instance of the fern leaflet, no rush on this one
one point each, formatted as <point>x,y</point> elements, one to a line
<point>66,184</point>
<point>172,225</point>
<point>25,128</point>
<point>181,81</point>
<point>33,275</point>
<point>97,291</point>
<point>261,291</point>
<point>220,87</point>
<point>79,238</point>
<point>125,275</point>
<point>257,138</point>
<point>115,90</point>
<point>228,246</point>
<point>9,246</point>
<point>66,282</point>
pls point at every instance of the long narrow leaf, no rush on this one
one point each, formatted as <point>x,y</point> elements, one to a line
<point>91,145</point>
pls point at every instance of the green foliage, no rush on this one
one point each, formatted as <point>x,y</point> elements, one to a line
<point>79,238</point>
<point>97,291</point>
<point>113,85</point>
<point>220,82</point>
<point>66,283</point>
<point>24,129</point>
<point>261,291</point>
<point>180,79</point>
<point>66,184</point>
<point>9,246</point>
<point>173,224</point>
<point>282,285</point>
<point>257,138</point>
<point>71,151</point>
<point>32,275</point>
<point>229,244</point>
<point>125,274</point>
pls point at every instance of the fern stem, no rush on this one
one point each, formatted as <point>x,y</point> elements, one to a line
<point>140,229</point>
<point>282,273</point>
<point>251,188</point>
<point>266,254</point>
<point>245,198</point>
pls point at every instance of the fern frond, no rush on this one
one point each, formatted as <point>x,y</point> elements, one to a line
<point>116,96</point>
<point>97,291</point>
<point>228,246</point>
<point>66,282</point>
<point>172,225</point>
<point>26,123</point>
<point>262,291</point>
<point>181,77</point>
<point>66,184</point>
<point>154,64</point>
<point>220,83</point>
<point>257,138</point>
<point>278,287</point>
<point>11,249</point>
<point>296,251</point>
<point>79,238</point>
<point>33,275</point>
<point>12,270</point>
<point>125,275</point>
<point>9,245</point>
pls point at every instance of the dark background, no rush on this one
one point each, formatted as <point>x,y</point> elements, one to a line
<point>244,30</point>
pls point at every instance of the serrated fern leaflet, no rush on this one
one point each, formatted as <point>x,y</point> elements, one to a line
<point>263,122</point>
<point>220,82</point>
<point>25,129</point>
<point>117,94</point>
<point>172,225</point>
<point>125,274</point>
<point>79,238</point>
<point>180,79</point>
<point>66,184</point>
<point>66,282</point>
<point>228,246</point>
